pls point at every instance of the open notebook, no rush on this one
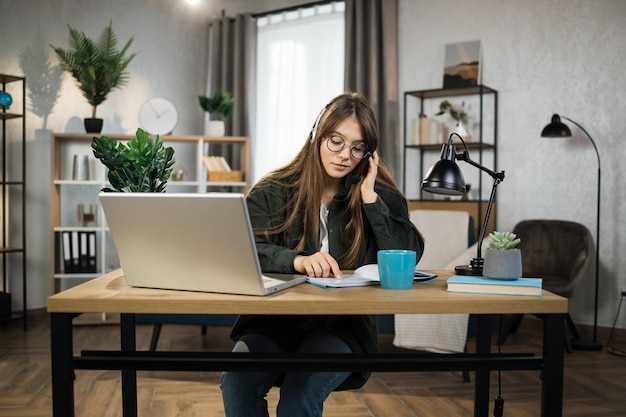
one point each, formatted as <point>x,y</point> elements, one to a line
<point>188,241</point>
<point>363,276</point>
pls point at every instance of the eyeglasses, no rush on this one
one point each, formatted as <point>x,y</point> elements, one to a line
<point>337,144</point>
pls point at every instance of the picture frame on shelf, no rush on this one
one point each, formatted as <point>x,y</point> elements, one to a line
<point>462,64</point>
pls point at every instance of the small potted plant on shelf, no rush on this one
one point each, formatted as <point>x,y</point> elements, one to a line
<point>97,66</point>
<point>142,165</point>
<point>459,114</point>
<point>503,260</point>
<point>218,106</point>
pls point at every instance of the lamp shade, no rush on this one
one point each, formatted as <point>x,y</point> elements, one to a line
<point>556,129</point>
<point>445,178</point>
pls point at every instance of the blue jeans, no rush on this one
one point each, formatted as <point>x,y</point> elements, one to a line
<point>302,394</point>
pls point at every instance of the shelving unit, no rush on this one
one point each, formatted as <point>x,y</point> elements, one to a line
<point>69,195</point>
<point>13,194</point>
<point>482,104</point>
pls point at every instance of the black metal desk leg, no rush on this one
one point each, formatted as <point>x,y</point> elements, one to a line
<point>129,376</point>
<point>481,384</point>
<point>553,357</point>
<point>61,353</point>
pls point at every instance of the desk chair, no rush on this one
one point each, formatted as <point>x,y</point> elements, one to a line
<point>558,252</point>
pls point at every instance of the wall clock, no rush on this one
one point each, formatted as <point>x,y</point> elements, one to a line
<point>158,116</point>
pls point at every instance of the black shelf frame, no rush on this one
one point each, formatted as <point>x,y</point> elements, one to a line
<point>478,146</point>
<point>6,186</point>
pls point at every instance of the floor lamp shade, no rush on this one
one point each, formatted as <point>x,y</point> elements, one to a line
<point>557,129</point>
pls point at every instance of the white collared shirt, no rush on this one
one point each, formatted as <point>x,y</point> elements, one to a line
<point>323,228</point>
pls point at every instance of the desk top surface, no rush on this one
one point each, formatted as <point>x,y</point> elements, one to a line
<point>111,294</point>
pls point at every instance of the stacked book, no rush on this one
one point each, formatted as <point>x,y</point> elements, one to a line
<point>219,170</point>
<point>483,285</point>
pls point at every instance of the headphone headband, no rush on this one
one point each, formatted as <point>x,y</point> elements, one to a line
<point>316,125</point>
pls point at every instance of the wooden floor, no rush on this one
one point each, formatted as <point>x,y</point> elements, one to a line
<point>595,382</point>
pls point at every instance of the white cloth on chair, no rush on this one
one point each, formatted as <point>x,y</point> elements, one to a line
<point>439,333</point>
<point>446,235</point>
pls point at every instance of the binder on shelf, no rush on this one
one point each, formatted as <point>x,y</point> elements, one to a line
<point>91,262</point>
<point>58,253</point>
<point>75,252</point>
<point>67,252</point>
<point>82,251</point>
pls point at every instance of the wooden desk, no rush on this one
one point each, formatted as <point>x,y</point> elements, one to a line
<point>111,294</point>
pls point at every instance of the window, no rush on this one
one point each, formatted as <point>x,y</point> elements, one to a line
<point>300,67</point>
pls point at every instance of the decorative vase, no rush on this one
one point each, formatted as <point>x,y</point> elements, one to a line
<point>93,125</point>
<point>215,128</point>
<point>460,130</point>
<point>503,264</point>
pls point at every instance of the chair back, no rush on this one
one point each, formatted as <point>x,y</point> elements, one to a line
<point>557,251</point>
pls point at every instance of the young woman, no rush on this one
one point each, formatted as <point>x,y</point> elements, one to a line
<point>331,209</point>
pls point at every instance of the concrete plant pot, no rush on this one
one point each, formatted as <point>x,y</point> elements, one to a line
<point>503,264</point>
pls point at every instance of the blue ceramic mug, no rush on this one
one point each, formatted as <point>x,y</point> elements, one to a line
<point>396,268</point>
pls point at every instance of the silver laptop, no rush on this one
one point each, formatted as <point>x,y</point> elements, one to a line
<point>196,242</point>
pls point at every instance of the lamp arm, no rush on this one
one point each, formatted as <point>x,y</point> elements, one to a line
<point>588,136</point>
<point>483,227</point>
<point>464,156</point>
<point>498,177</point>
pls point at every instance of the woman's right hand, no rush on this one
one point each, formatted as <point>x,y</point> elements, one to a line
<point>320,264</point>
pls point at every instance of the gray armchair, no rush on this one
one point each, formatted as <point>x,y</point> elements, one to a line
<point>557,251</point>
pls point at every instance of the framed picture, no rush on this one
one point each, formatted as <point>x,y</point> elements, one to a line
<point>462,65</point>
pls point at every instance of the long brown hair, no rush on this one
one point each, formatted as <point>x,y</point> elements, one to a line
<point>304,176</point>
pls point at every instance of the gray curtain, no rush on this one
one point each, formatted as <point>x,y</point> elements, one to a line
<point>232,49</point>
<point>371,67</point>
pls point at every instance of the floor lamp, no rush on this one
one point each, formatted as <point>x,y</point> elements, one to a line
<point>558,129</point>
<point>445,178</point>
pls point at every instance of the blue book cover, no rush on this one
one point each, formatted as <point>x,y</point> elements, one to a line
<point>483,285</point>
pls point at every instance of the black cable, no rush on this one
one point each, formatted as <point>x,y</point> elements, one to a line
<point>612,349</point>
<point>498,405</point>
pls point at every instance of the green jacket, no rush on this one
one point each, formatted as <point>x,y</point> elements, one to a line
<point>387,227</point>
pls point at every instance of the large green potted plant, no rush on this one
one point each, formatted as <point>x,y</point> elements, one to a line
<point>219,106</point>
<point>98,67</point>
<point>144,164</point>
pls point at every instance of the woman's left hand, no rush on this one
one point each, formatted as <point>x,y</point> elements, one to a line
<point>368,195</point>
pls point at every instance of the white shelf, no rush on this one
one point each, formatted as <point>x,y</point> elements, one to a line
<point>67,193</point>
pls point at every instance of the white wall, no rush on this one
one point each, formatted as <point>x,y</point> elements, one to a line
<point>543,57</point>
<point>574,68</point>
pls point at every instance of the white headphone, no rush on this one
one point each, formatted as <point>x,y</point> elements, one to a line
<point>316,125</point>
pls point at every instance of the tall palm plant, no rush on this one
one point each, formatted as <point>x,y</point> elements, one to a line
<point>98,67</point>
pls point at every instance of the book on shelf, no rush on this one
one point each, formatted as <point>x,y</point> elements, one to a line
<point>431,131</point>
<point>364,276</point>
<point>483,285</point>
<point>216,163</point>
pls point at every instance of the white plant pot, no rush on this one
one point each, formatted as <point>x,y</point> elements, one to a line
<point>215,128</point>
<point>502,264</point>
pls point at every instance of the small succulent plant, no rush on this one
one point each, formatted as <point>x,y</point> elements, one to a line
<point>503,240</point>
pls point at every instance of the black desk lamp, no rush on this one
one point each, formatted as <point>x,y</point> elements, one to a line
<point>446,178</point>
<point>557,129</point>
